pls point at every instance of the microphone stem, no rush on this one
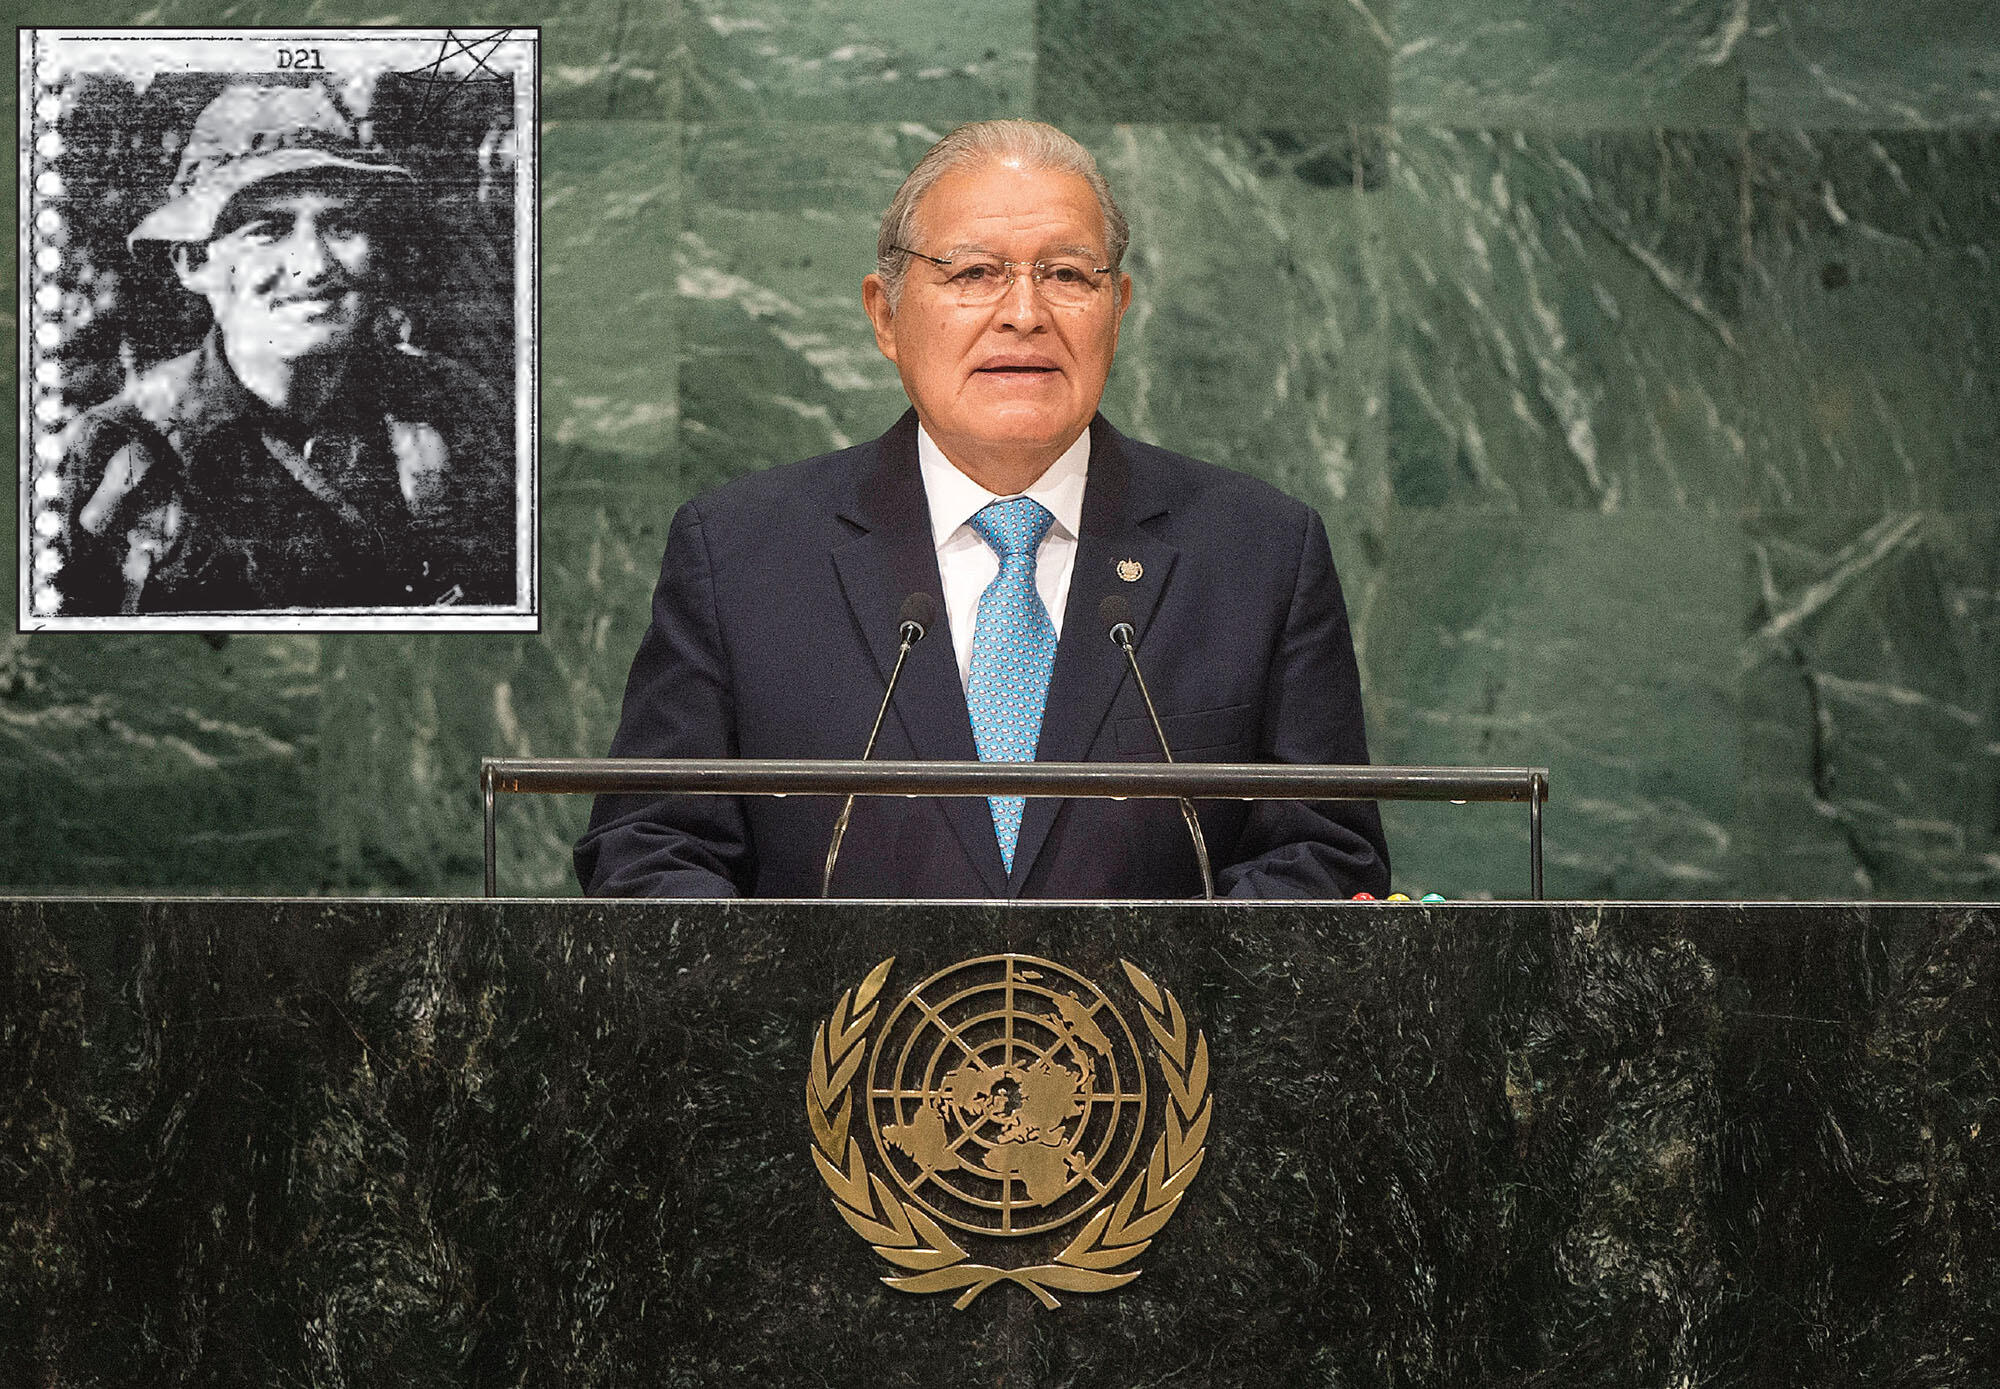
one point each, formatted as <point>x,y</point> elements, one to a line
<point>1187,806</point>
<point>847,809</point>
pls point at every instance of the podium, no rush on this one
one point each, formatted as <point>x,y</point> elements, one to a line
<point>502,1142</point>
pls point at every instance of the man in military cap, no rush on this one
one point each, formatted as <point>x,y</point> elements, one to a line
<point>306,456</point>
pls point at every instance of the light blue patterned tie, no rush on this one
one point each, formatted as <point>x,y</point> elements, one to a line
<point>1013,650</point>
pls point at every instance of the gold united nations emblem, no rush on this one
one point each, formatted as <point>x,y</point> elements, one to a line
<point>1006,1098</point>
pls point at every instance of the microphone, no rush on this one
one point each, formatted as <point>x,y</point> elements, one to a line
<point>913,623</point>
<point>1116,615</point>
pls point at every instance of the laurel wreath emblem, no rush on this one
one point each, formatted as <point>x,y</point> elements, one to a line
<point>1112,1237</point>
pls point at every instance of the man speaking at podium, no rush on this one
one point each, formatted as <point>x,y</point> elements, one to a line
<point>1016,510</point>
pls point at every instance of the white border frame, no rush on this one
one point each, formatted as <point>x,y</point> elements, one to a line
<point>224,49</point>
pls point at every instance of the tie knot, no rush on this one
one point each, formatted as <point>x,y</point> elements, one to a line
<point>1014,527</point>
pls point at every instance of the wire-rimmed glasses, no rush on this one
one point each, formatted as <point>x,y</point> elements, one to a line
<point>974,279</point>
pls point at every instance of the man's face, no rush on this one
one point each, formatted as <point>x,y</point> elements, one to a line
<point>289,272</point>
<point>1014,382</point>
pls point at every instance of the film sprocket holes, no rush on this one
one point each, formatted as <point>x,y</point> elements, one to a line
<point>278,329</point>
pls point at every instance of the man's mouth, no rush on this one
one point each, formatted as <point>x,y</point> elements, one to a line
<point>1019,369</point>
<point>310,303</point>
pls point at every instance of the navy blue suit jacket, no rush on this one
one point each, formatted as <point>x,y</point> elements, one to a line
<point>775,626</point>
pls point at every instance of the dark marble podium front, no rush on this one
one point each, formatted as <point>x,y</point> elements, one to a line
<point>402,1142</point>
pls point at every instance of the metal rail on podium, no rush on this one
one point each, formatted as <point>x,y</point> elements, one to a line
<point>1205,781</point>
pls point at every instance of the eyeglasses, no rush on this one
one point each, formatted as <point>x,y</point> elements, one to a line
<point>976,281</point>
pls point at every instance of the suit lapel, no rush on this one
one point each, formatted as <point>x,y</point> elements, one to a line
<point>1090,668</point>
<point>893,557</point>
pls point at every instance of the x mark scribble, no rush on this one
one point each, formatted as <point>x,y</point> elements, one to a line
<point>434,77</point>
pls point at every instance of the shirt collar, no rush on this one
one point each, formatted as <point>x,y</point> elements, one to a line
<point>955,498</point>
<point>215,399</point>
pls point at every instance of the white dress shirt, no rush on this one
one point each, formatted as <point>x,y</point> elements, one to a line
<point>967,563</point>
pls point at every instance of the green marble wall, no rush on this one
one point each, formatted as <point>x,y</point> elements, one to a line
<point>1642,359</point>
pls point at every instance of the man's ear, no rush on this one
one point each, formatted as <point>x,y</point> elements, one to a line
<point>875,299</point>
<point>193,267</point>
<point>1124,284</point>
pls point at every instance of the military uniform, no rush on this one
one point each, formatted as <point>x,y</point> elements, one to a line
<point>186,493</point>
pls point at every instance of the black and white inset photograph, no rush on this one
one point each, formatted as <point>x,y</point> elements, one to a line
<point>278,332</point>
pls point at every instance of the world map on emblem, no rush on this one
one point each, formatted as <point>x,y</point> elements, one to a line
<point>1006,1094</point>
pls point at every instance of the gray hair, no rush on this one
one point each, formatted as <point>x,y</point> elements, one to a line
<point>1036,145</point>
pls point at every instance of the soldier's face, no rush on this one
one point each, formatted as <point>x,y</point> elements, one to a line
<point>290,272</point>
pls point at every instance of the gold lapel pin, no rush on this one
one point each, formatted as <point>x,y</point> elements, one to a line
<point>1130,569</point>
